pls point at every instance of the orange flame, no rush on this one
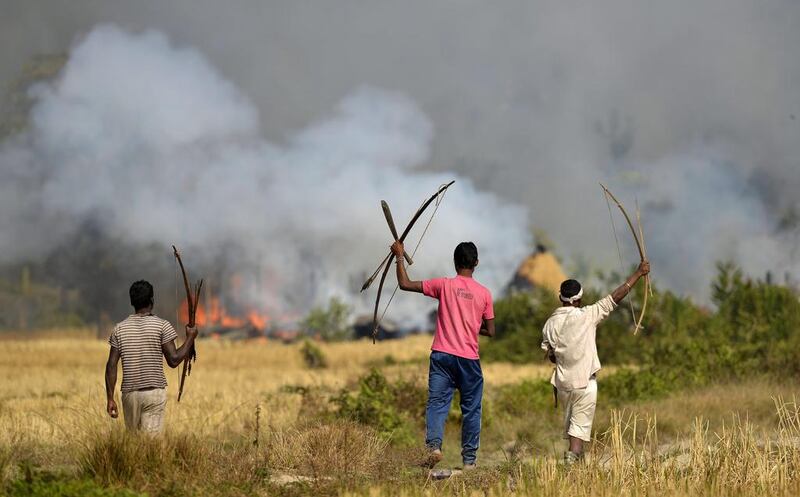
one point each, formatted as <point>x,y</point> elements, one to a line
<point>213,313</point>
<point>257,320</point>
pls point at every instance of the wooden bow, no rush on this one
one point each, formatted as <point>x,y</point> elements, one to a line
<point>387,261</point>
<point>192,300</point>
<point>639,239</point>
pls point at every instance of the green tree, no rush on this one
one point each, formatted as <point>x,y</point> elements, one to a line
<point>331,323</point>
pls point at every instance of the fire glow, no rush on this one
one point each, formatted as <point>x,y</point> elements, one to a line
<point>212,313</point>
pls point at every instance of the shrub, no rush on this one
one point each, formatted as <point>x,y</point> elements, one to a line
<point>393,409</point>
<point>627,385</point>
<point>168,465</point>
<point>331,323</point>
<point>755,312</point>
<point>121,457</point>
<point>55,486</point>
<point>343,450</point>
<point>519,319</point>
<point>523,398</point>
<point>756,328</point>
<point>313,356</point>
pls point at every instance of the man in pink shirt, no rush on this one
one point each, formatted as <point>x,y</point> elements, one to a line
<point>465,311</point>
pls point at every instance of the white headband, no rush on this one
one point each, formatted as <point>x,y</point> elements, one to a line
<point>572,299</point>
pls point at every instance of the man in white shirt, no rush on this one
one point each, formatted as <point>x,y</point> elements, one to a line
<point>568,337</point>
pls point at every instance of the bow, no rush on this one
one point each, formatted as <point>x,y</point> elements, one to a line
<point>192,300</point>
<point>639,239</point>
<point>386,264</point>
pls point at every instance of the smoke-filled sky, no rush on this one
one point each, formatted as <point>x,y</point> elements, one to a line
<point>693,107</point>
<point>151,143</point>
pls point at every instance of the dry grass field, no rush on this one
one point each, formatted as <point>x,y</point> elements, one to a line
<point>52,385</point>
<point>242,429</point>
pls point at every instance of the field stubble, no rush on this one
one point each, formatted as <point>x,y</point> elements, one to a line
<point>728,439</point>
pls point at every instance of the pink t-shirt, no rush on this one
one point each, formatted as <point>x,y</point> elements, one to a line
<point>463,305</point>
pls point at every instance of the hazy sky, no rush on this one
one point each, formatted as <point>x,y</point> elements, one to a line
<point>688,105</point>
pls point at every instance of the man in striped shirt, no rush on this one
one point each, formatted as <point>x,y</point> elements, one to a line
<point>140,341</point>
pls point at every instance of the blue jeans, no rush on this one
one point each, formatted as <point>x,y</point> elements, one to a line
<point>447,373</point>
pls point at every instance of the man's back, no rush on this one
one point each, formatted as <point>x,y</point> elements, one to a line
<point>139,339</point>
<point>463,305</point>
<point>570,333</point>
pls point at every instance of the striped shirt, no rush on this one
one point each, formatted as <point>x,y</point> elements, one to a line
<point>138,339</point>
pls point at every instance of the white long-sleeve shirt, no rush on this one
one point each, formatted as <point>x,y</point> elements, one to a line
<point>570,332</point>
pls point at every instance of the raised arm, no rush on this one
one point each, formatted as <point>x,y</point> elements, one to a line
<point>111,381</point>
<point>176,356</point>
<point>623,290</point>
<point>402,277</point>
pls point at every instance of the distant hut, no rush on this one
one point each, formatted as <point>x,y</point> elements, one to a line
<point>541,269</point>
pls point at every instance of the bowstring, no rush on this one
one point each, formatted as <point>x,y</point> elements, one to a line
<point>438,202</point>
<point>177,299</point>
<point>619,251</point>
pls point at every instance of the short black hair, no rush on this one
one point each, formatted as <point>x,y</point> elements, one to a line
<point>570,288</point>
<point>141,293</point>
<point>465,255</point>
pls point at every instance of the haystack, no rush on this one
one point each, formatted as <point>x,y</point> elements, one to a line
<point>539,270</point>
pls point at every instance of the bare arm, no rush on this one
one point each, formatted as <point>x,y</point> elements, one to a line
<point>487,329</point>
<point>111,381</point>
<point>622,291</point>
<point>176,356</point>
<point>402,277</point>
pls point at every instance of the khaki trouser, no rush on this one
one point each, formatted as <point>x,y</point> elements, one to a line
<point>579,406</point>
<point>144,410</point>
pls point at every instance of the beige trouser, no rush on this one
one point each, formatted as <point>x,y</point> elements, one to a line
<point>144,410</point>
<point>579,406</point>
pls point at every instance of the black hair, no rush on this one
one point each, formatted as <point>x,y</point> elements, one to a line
<point>465,255</point>
<point>141,293</point>
<point>570,288</point>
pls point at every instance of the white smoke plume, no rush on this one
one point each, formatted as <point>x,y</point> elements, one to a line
<point>151,141</point>
<point>690,105</point>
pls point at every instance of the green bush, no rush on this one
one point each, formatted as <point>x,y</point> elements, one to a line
<point>627,385</point>
<point>755,312</point>
<point>755,330</point>
<point>524,398</point>
<point>519,319</point>
<point>54,487</point>
<point>392,408</point>
<point>37,483</point>
<point>331,323</point>
<point>313,356</point>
